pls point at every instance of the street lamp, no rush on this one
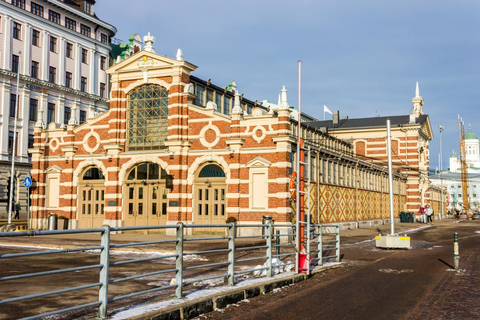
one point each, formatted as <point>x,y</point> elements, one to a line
<point>10,207</point>
<point>441,180</point>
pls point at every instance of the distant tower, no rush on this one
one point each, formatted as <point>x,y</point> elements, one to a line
<point>417,103</point>
<point>471,147</point>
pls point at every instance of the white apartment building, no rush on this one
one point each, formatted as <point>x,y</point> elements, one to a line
<point>61,50</point>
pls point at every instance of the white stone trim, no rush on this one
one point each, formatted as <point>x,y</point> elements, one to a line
<point>85,141</point>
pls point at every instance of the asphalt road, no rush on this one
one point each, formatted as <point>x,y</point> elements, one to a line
<point>419,283</point>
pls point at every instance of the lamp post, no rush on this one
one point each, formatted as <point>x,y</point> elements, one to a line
<point>12,173</point>
<point>441,179</point>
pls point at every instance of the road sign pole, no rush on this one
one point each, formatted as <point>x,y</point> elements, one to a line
<point>27,182</point>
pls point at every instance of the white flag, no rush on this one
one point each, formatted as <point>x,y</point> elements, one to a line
<point>325,109</point>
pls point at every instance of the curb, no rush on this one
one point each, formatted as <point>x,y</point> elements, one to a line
<point>195,308</point>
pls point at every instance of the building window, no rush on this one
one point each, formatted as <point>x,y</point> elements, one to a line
<point>226,105</point>
<point>103,62</point>
<point>13,103</point>
<point>33,110</point>
<point>103,38</point>
<point>30,141</point>
<point>53,44</point>
<point>70,24</point>
<point>218,101</point>
<point>67,115</point>
<point>84,55</point>
<point>83,85</point>
<point>85,30</point>
<point>52,74</point>
<point>34,71</point>
<point>19,3</point>
<point>83,117</point>
<point>88,8</point>
<point>36,38</point>
<point>209,95</point>
<point>51,113</point>
<point>69,50</point>
<point>17,29</point>
<point>199,95</point>
<point>102,90</point>
<point>147,124</point>
<point>53,16</point>
<point>68,79</point>
<point>15,63</point>
<point>37,9</point>
<point>10,143</point>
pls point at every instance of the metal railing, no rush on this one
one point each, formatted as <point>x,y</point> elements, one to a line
<point>325,237</point>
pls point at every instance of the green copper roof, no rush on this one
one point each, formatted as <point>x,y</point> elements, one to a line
<point>470,135</point>
<point>453,155</point>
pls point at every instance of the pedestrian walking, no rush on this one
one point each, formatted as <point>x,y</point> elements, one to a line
<point>16,208</point>
<point>429,213</point>
<point>421,211</point>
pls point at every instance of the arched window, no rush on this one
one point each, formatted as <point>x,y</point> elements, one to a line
<point>147,123</point>
<point>147,171</point>
<point>211,171</point>
<point>93,174</point>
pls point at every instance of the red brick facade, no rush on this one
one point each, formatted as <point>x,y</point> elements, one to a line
<point>251,150</point>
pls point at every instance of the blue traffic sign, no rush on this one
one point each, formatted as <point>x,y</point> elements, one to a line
<point>27,182</point>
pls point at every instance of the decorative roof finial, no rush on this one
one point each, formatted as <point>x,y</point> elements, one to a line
<point>179,55</point>
<point>284,103</point>
<point>417,91</point>
<point>149,40</point>
<point>237,108</point>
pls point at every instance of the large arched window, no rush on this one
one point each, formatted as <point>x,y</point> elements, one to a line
<point>147,118</point>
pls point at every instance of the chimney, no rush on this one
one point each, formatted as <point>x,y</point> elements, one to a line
<point>336,116</point>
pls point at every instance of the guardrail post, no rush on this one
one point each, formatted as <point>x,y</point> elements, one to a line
<point>232,231</point>
<point>179,261</point>
<point>277,242</point>
<point>338,243</point>
<point>105,262</point>
<point>308,236</point>
<point>320,245</point>
<point>269,248</point>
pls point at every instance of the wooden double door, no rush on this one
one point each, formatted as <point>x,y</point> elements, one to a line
<point>146,204</point>
<point>210,203</point>
<point>92,205</point>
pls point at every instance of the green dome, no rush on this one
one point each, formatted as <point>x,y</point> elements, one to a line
<point>453,155</point>
<point>470,135</point>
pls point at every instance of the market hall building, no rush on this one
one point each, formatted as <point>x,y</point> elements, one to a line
<point>175,148</point>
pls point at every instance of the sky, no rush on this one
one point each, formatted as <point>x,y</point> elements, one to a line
<point>362,58</point>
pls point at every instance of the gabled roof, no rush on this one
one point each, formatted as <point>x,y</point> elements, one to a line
<point>157,61</point>
<point>374,122</point>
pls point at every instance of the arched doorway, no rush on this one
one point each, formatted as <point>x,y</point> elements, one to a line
<point>146,196</point>
<point>91,206</point>
<point>210,196</point>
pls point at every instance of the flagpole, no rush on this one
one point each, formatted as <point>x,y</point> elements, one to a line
<point>298,160</point>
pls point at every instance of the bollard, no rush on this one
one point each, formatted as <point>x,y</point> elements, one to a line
<point>456,256</point>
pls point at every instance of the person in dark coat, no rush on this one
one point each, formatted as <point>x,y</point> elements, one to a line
<point>16,208</point>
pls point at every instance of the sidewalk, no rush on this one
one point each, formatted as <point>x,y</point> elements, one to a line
<point>87,239</point>
<point>204,301</point>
